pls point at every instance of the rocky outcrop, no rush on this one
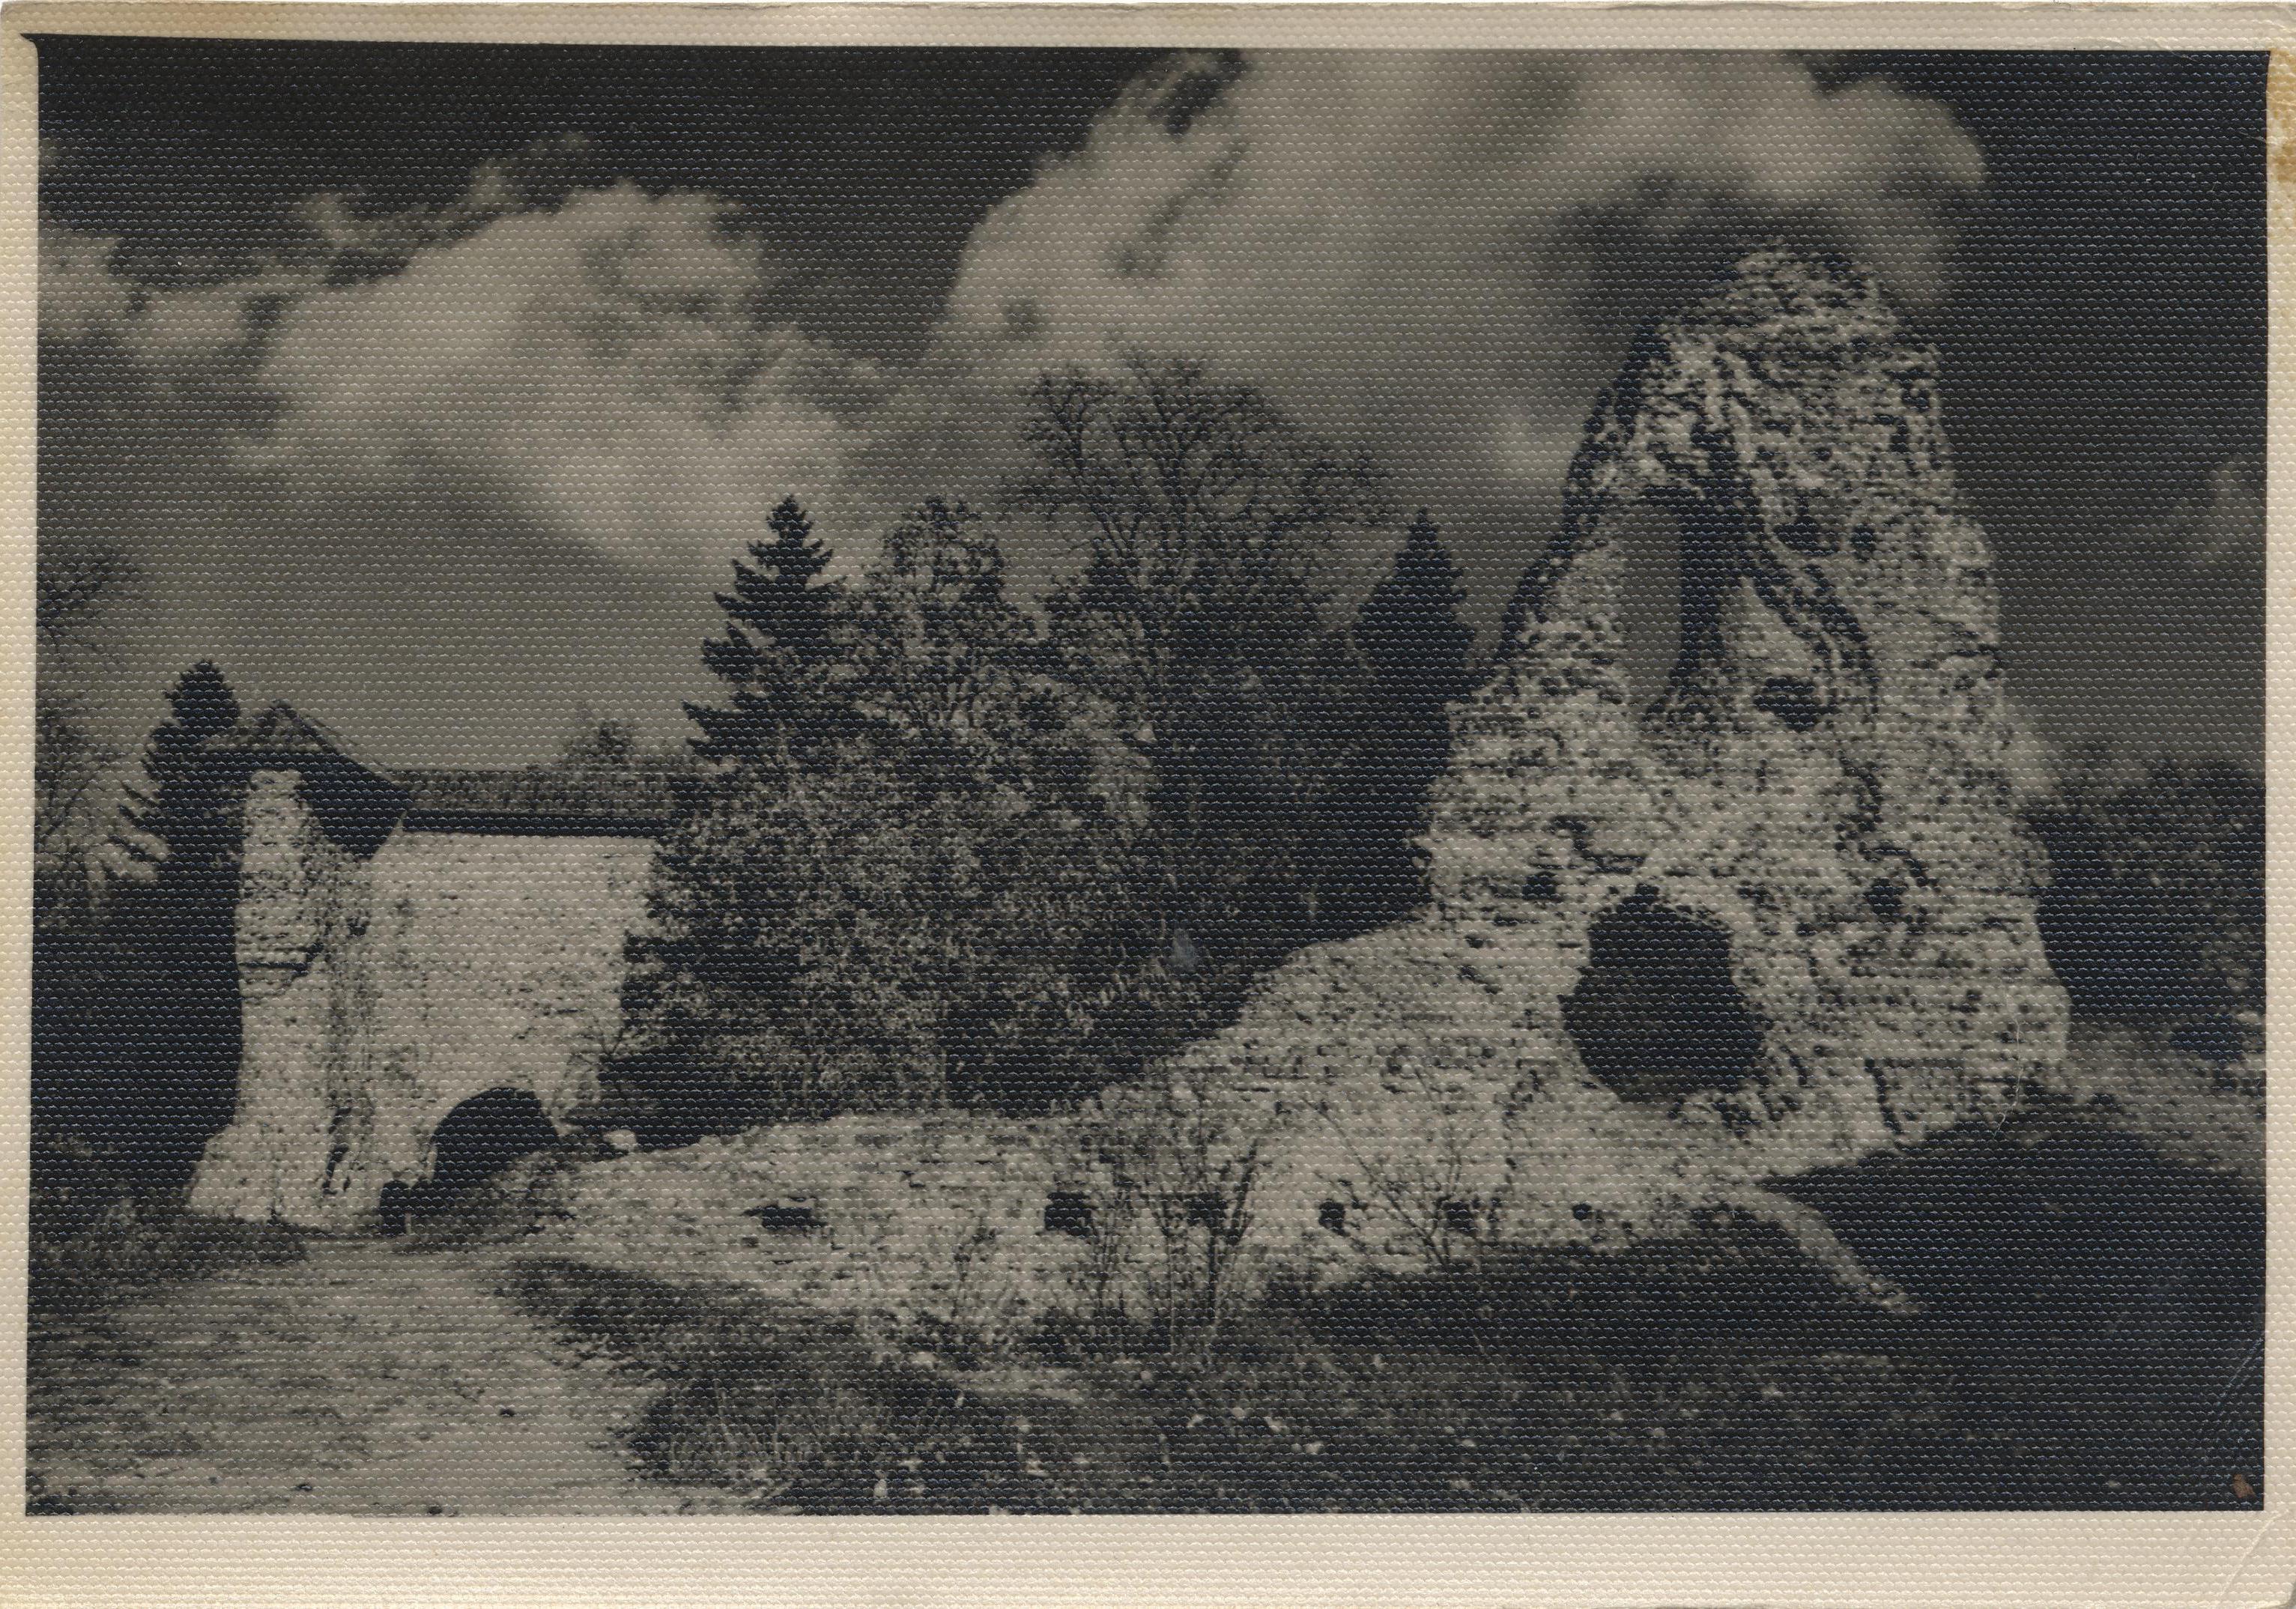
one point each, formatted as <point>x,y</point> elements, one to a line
<point>392,966</point>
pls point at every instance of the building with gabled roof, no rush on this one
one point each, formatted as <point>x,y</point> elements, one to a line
<point>408,943</point>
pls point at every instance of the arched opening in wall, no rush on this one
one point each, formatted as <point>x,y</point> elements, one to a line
<point>484,1134</point>
<point>1650,598</point>
<point>1676,563</point>
<point>1656,1015</point>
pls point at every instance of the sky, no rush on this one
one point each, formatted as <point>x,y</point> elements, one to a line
<point>434,388</point>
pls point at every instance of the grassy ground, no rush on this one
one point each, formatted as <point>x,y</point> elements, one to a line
<point>2092,1316</point>
<point>101,1228</point>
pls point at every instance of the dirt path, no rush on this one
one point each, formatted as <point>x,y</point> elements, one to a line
<point>367,1379</point>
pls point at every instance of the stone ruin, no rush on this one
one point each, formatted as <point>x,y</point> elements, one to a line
<point>1777,919</point>
<point>408,947</point>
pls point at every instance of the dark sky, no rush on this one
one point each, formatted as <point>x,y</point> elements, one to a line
<point>469,445</point>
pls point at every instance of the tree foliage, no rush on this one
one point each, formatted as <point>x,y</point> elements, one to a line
<point>952,848</point>
<point>77,586</point>
<point>1201,620</point>
<point>962,921</point>
<point>782,628</point>
<point>178,816</point>
<point>1415,650</point>
<point>2155,908</point>
<point>136,1032</point>
<point>910,902</point>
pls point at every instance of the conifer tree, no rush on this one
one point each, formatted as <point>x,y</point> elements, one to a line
<point>780,632</point>
<point>180,813</point>
<point>175,1021</point>
<point>704,997</point>
<point>1416,650</point>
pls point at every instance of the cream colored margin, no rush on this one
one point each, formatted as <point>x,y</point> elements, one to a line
<point>2016,1561</point>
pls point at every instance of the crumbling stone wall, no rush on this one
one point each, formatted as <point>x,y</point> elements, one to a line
<point>1821,782</point>
<point>379,989</point>
<point>1818,797</point>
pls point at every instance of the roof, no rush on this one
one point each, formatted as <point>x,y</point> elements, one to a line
<point>539,801</point>
<point>284,733</point>
<point>536,798</point>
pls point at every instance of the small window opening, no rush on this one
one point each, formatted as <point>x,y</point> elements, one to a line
<point>1332,1215</point>
<point>1458,1217</point>
<point>1069,1212</point>
<point>1656,1015</point>
<point>1542,887</point>
<point>1650,598</point>
<point>786,1218</point>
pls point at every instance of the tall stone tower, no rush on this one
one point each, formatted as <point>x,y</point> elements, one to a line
<point>1779,918</point>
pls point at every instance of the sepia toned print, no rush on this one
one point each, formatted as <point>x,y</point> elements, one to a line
<point>920,780</point>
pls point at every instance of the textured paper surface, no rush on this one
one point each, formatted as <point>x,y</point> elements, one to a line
<point>2230,1558</point>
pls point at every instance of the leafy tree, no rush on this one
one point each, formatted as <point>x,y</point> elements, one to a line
<point>970,921</point>
<point>143,1058</point>
<point>923,912</point>
<point>77,586</point>
<point>1199,623</point>
<point>781,632</point>
<point>1414,649</point>
<point>703,1002</point>
<point>2155,908</point>
<point>704,996</point>
<point>69,764</point>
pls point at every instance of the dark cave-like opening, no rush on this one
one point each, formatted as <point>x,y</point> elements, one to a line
<point>485,1134</point>
<point>1656,1015</point>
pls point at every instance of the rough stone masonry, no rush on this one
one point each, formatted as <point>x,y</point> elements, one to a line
<point>1780,918</point>
<point>1777,919</point>
<point>395,961</point>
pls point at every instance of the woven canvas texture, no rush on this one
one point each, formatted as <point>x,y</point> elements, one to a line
<point>878,781</point>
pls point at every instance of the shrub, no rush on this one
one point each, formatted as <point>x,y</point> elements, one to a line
<point>2155,908</point>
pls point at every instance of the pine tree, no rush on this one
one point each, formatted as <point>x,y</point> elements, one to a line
<point>177,1017</point>
<point>181,813</point>
<point>1408,629</point>
<point>1415,650</point>
<point>704,997</point>
<point>780,631</point>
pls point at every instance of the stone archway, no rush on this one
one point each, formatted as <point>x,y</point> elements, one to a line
<point>484,1134</point>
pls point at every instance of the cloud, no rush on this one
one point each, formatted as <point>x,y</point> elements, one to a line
<point>607,369</point>
<point>604,366</point>
<point>1439,257</point>
<point>343,442</point>
<point>2223,525</point>
<point>81,299</point>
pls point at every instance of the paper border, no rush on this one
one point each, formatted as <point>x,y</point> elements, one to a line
<point>2016,1561</point>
